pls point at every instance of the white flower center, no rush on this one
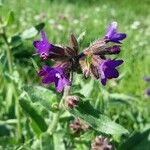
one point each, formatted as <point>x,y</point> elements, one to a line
<point>58,75</point>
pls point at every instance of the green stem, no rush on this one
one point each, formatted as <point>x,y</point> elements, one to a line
<point>53,126</point>
<point>8,50</point>
<point>10,67</point>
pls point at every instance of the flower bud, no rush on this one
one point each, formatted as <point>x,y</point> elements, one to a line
<point>95,47</point>
<point>101,143</point>
<point>71,101</point>
<point>78,126</point>
<point>113,50</point>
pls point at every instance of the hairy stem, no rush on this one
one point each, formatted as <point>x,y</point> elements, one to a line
<point>56,117</point>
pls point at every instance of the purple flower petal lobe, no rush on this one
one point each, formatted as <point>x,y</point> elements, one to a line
<point>108,70</point>
<point>54,75</point>
<point>112,34</point>
<point>43,46</point>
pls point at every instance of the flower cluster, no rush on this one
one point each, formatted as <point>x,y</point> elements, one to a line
<point>92,61</point>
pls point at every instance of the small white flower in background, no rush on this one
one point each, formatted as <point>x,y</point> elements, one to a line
<point>40,16</point>
<point>104,6</point>
<point>51,21</point>
<point>113,12</point>
<point>75,21</point>
<point>135,24</point>
<point>96,21</point>
<point>84,17</point>
<point>97,9</point>
<point>60,27</point>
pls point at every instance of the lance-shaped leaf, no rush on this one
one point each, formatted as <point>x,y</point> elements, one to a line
<point>97,120</point>
<point>81,36</point>
<point>41,95</point>
<point>73,44</point>
<point>10,18</point>
<point>15,40</point>
<point>32,32</point>
<point>138,141</point>
<point>28,107</point>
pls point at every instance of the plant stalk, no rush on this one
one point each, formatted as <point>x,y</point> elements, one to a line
<point>56,117</point>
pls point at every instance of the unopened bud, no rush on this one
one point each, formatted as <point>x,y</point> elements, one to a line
<point>95,47</point>
<point>114,50</point>
<point>101,143</point>
<point>71,101</point>
<point>78,126</point>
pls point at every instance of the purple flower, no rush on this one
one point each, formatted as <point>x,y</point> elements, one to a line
<point>43,46</point>
<point>108,70</point>
<point>112,34</point>
<point>114,50</point>
<point>55,75</point>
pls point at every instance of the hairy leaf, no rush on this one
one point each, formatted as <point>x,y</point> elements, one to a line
<point>97,120</point>
<point>32,32</point>
<point>42,95</point>
<point>139,141</point>
<point>73,44</point>
<point>10,18</point>
<point>28,107</point>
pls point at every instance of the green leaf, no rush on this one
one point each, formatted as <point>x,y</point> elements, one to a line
<point>97,120</point>
<point>40,26</point>
<point>47,142</point>
<point>28,107</point>
<point>35,128</point>
<point>139,141</point>
<point>10,18</point>
<point>15,40</point>
<point>121,96</point>
<point>42,95</point>
<point>73,44</point>
<point>9,95</point>
<point>29,33</point>
<point>87,87</point>
<point>35,65</point>
<point>4,130</point>
<point>88,136</point>
<point>81,36</point>
<point>32,32</point>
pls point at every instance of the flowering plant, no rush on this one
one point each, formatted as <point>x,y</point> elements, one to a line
<point>92,61</point>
